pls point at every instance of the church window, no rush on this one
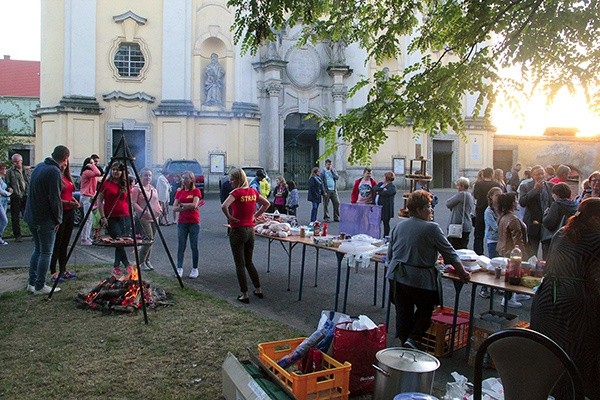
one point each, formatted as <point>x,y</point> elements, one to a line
<point>129,60</point>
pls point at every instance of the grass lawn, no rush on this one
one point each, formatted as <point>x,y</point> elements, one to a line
<point>55,350</point>
<point>8,232</point>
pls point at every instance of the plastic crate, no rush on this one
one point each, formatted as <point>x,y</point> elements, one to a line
<point>480,335</point>
<point>332,382</point>
<point>437,339</point>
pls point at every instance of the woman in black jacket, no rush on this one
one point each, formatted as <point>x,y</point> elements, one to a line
<point>315,192</point>
<point>384,196</point>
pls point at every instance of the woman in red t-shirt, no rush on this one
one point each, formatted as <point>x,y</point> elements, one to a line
<point>242,201</point>
<point>187,202</point>
<point>63,235</point>
<point>114,211</point>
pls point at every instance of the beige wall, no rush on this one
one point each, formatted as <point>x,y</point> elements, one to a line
<point>581,152</point>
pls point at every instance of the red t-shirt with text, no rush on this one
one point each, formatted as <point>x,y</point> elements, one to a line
<point>243,207</point>
<point>186,197</point>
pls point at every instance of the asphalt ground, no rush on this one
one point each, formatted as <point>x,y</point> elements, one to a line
<point>217,276</point>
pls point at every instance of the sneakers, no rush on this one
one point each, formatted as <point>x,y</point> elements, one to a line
<point>522,297</point>
<point>149,266</point>
<point>117,271</point>
<point>145,267</point>
<point>194,273</point>
<point>511,303</point>
<point>484,292</point>
<point>411,344</point>
<point>54,277</point>
<point>69,275</point>
<point>30,288</point>
<point>180,272</point>
<point>3,242</point>
<point>45,290</point>
<point>86,242</point>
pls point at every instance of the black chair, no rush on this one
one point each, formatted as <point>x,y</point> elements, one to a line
<point>528,363</point>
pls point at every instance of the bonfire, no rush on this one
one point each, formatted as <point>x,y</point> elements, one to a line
<point>122,293</point>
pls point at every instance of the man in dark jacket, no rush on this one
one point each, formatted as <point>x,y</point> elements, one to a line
<point>43,214</point>
<point>536,198</point>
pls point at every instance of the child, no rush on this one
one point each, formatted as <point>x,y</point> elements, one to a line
<point>281,194</point>
<point>291,203</point>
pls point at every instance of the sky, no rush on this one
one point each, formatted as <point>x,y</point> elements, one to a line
<point>20,29</point>
<point>20,38</point>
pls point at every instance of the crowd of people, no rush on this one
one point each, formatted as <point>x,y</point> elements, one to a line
<point>538,212</point>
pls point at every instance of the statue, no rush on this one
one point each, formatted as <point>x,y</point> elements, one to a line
<point>336,52</point>
<point>213,84</point>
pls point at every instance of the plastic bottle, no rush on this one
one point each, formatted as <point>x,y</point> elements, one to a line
<point>302,349</point>
<point>516,256</point>
<point>324,229</point>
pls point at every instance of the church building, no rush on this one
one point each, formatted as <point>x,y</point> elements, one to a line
<point>167,76</point>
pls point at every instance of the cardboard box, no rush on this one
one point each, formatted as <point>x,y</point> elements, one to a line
<point>239,384</point>
<point>494,321</point>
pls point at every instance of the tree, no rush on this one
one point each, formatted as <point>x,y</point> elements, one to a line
<point>460,47</point>
<point>9,137</point>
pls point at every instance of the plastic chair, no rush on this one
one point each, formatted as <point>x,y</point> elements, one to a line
<point>528,363</point>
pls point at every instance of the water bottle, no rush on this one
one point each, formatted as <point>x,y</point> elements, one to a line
<point>516,256</point>
<point>324,229</point>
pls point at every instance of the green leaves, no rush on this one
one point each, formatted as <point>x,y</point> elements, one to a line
<point>455,47</point>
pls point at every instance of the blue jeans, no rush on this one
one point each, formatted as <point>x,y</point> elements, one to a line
<point>43,242</point>
<point>3,221</point>
<point>492,252</point>
<point>313,211</point>
<point>183,231</point>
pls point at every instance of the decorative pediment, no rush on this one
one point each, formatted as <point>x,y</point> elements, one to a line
<point>132,15</point>
<point>137,96</point>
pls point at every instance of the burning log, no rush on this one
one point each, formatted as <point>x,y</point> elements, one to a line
<point>122,294</point>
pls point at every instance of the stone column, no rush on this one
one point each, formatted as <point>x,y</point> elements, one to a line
<point>271,152</point>
<point>339,93</point>
<point>176,54</point>
<point>79,88</point>
<point>271,131</point>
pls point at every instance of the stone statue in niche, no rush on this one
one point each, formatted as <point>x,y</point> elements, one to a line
<point>213,83</point>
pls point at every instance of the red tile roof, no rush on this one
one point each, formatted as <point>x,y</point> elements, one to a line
<point>19,78</point>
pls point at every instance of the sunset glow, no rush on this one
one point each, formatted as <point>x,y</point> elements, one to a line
<point>567,111</point>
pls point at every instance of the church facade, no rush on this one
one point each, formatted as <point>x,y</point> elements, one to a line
<point>167,76</point>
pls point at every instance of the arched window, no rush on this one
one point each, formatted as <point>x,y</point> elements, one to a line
<point>129,60</point>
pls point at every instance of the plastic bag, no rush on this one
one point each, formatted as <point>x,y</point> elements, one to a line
<point>359,347</point>
<point>327,323</point>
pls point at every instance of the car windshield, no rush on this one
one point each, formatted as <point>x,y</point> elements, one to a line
<point>185,166</point>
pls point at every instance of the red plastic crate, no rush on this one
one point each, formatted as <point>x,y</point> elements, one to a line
<point>332,382</point>
<point>437,339</point>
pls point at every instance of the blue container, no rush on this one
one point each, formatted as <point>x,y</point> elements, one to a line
<point>414,396</point>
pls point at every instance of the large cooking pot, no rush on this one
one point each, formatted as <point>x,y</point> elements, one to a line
<point>400,369</point>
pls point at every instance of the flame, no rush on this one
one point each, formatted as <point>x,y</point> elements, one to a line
<point>129,283</point>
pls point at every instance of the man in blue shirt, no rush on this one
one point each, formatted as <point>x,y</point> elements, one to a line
<point>44,214</point>
<point>329,176</point>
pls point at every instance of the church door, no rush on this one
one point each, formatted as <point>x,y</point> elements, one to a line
<point>301,149</point>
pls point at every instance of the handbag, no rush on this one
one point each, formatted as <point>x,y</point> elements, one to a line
<point>456,230</point>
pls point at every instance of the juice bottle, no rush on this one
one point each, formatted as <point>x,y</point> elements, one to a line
<point>516,256</point>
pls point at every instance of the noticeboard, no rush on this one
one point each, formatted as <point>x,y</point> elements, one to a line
<point>217,163</point>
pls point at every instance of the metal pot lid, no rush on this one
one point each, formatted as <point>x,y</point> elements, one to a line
<point>409,360</point>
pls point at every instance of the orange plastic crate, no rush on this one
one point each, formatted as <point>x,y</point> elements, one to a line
<point>437,339</point>
<point>332,382</point>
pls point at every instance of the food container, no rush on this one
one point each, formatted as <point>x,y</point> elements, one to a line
<point>401,370</point>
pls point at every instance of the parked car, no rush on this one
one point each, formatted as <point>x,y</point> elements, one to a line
<point>250,174</point>
<point>175,167</point>
<point>78,217</point>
